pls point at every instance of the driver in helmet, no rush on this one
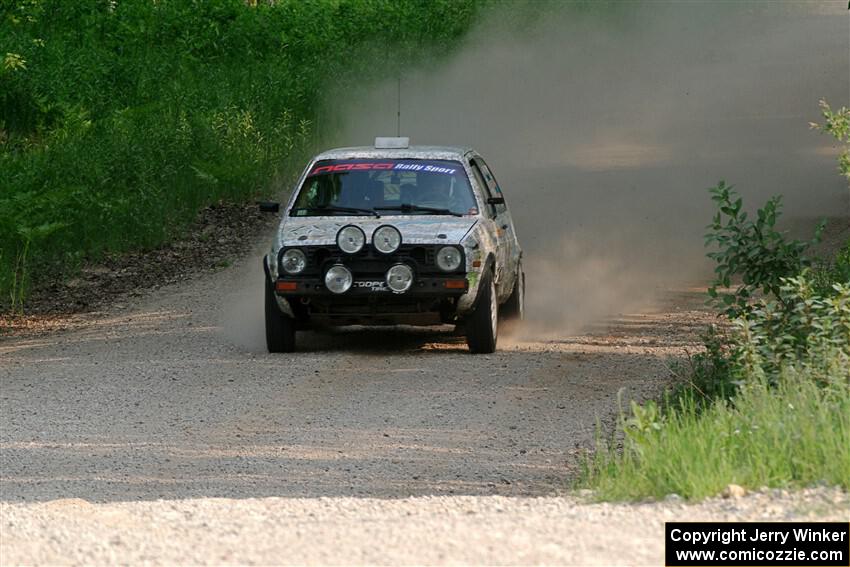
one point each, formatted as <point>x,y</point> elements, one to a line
<point>435,190</point>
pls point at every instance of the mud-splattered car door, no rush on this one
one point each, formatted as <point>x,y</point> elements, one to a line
<point>507,251</point>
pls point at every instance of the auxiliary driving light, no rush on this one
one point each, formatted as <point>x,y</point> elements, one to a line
<point>400,278</point>
<point>386,239</point>
<point>350,239</point>
<point>338,279</point>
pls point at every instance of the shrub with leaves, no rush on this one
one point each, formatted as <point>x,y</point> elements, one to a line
<point>753,250</point>
<point>803,329</point>
<point>829,271</point>
<point>707,375</point>
<point>837,124</point>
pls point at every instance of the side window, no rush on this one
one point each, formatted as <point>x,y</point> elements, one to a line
<point>492,184</point>
<point>479,177</point>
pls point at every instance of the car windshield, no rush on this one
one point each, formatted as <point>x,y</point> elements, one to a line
<point>391,186</point>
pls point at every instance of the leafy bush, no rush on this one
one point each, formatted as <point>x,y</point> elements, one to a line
<point>752,250</point>
<point>704,376</point>
<point>827,272</point>
<point>803,329</point>
<point>802,317</point>
<point>837,124</point>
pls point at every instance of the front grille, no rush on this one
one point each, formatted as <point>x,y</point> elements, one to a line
<point>369,263</point>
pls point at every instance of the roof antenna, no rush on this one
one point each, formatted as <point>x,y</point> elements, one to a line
<point>398,107</point>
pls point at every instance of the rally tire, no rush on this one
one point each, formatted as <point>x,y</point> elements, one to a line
<point>280,329</point>
<point>482,325</point>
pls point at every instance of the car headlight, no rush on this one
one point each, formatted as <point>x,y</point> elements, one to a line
<point>449,258</point>
<point>350,239</point>
<point>293,261</point>
<point>400,278</point>
<point>338,278</point>
<point>386,239</point>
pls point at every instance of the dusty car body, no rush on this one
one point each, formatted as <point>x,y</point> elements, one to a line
<point>394,234</point>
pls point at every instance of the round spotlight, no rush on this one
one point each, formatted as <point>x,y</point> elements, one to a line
<point>293,261</point>
<point>449,258</point>
<point>350,239</point>
<point>400,278</point>
<point>338,279</point>
<point>386,239</point>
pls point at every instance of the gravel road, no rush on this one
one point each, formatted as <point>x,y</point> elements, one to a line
<point>492,530</point>
<point>161,432</point>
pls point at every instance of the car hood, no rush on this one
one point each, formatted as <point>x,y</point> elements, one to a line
<point>321,231</point>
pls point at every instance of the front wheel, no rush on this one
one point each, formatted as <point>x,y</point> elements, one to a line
<point>280,329</point>
<point>482,325</point>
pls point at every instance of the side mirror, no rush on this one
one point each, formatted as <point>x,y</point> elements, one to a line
<point>269,207</point>
<point>496,201</point>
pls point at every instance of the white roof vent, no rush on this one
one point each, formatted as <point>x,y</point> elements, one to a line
<point>384,143</point>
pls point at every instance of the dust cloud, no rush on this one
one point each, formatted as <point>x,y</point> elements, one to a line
<point>241,315</point>
<point>606,127</point>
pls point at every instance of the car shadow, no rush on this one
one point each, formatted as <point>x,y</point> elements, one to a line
<point>386,339</point>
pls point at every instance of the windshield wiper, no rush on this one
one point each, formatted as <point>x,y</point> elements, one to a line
<point>406,207</point>
<point>333,209</point>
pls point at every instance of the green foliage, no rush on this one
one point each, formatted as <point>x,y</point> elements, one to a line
<point>706,376</point>
<point>827,272</point>
<point>768,403</point>
<point>801,329</point>
<point>803,316</point>
<point>13,62</point>
<point>28,235</point>
<point>837,124</point>
<point>753,250</point>
<point>119,120</point>
<point>790,433</point>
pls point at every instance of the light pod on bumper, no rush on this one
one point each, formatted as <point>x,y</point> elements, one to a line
<point>350,239</point>
<point>449,258</point>
<point>293,261</point>
<point>338,279</point>
<point>386,239</point>
<point>400,278</point>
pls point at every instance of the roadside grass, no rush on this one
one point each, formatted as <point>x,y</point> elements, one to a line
<point>792,434</point>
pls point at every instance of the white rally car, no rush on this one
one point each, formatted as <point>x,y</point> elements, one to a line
<point>394,234</point>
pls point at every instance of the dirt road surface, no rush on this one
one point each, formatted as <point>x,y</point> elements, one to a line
<point>161,432</point>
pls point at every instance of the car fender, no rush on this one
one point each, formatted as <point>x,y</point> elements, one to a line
<point>282,302</point>
<point>489,267</point>
<point>477,248</point>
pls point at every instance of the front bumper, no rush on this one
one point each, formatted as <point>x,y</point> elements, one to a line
<point>423,287</point>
